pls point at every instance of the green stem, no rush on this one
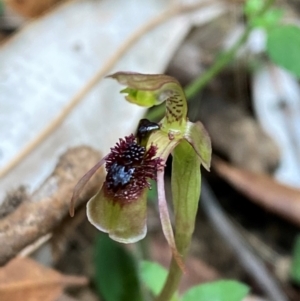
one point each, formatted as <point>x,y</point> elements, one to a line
<point>199,83</point>
<point>172,282</point>
<point>175,273</point>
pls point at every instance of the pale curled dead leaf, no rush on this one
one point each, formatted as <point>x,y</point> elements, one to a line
<point>263,190</point>
<point>26,280</point>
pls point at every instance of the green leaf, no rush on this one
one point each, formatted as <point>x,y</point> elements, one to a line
<point>116,272</point>
<point>260,17</point>
<point>295,268</point>
<point>154,276</point>
<point>223,290</point>
<point>283,47</point>
<point>268,20</point>
<point>253,7</point>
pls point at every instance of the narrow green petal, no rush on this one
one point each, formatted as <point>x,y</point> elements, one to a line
<point>81,184</point>
<point>198,137</point>
<point>165,219</point>
<point>125,223</point>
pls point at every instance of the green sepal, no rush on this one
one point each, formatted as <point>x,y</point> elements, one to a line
<point>186,179</point>
<point>198,137</point>
<point>146,82</point>
<point>153,89</point>
<point>124,222</point>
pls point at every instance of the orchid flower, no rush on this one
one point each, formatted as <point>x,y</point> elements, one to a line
<point>119,208</point>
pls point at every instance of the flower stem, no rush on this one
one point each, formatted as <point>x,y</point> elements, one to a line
<point>172,282</point>
<point>175,272</point>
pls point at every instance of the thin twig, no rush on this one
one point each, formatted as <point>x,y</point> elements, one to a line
<point>28,250</point>
<point>242,249</point>
<point>128,43</point>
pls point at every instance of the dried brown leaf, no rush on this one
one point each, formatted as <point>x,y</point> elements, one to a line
<point>263,190</point>
<point>26,280</point>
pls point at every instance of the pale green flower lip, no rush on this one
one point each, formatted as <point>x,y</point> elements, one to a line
<point>123,223</point>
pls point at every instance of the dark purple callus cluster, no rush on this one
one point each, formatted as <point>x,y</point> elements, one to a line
<point>129,168</point>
